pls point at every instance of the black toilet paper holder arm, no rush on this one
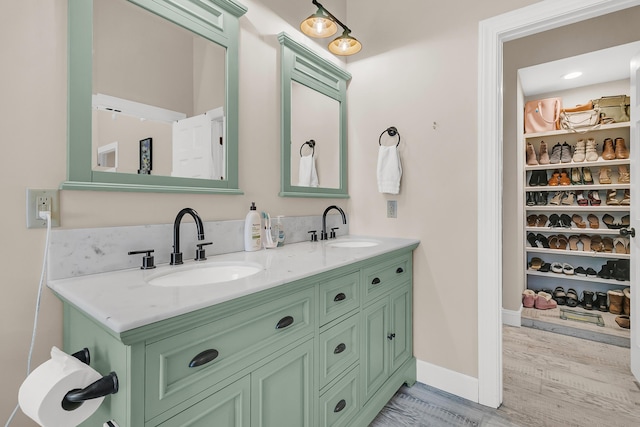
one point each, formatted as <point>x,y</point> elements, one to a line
<point>103,387</point>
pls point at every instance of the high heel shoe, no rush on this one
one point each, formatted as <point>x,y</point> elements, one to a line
<point>621,149</point>
<point>582,201</point>
<point>557,198</point>
<point>576,177</point>
<point>594,198</point>
<point>568,198</point>
<point>605,175</point>
<point>587,178</point>
<point>608,152</point>
<point>623,175</point>
<point>611,197</point>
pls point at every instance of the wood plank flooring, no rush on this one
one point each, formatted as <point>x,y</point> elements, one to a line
<point>549,380</point>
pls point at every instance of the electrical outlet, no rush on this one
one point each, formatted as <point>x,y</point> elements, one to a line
<point>392,208</point>
<point>41,201</point>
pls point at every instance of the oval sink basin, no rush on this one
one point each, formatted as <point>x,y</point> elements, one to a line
<point>353,244</point>
<point>206,274</point>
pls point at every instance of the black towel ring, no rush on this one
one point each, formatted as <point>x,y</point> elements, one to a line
<point>311,143</point>
<point>392,131</point>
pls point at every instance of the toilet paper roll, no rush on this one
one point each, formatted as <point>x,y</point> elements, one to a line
<point>40,396</point>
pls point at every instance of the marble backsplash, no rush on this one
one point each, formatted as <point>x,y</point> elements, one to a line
<point>77,252</point>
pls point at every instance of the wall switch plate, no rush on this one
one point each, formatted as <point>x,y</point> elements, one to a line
<point>392,208</point>
<point>42,200</point>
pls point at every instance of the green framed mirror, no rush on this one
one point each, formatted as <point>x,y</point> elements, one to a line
<point>153,96</point>
<point>313,124</point>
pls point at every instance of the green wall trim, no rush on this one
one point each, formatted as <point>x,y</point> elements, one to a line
<point>216,20</point>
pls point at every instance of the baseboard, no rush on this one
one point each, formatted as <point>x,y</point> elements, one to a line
<point>512,317</point>
<point>446,380</point>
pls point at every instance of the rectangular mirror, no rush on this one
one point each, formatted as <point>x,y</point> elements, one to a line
<point>314,109</point>
<point>153,95</point>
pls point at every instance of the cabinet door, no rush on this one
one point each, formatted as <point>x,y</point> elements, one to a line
<point>228,407</point>
<point>374,357</point>
<point>282,390</point>
<point>400,328</point>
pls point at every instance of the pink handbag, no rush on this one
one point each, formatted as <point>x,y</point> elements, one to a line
<point>542,115</point>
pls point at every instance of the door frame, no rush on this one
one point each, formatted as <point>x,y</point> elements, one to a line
<point>493,32</point>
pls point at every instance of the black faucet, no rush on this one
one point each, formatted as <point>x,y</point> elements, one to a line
<point>323,233</point>
<point>176,255</point>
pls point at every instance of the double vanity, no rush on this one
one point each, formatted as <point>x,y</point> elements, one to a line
<point>310,334</point>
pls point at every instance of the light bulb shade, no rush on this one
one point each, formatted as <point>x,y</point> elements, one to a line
<point>319,25</point>
<point>345,45</point>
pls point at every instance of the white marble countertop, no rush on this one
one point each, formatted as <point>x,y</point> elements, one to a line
<point>123,300</point>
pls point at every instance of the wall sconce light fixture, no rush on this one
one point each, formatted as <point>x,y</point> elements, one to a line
<point>323,24</point>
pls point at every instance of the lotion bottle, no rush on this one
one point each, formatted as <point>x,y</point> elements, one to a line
<point>252,230</point>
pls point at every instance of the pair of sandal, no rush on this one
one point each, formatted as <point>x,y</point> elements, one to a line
<point>591,218</point>
<point>593,198</point>
<point>609,221</point>
<point>537,220</point>
<point>541,300</point>
<point>569,298</point>
<point>559,221</point>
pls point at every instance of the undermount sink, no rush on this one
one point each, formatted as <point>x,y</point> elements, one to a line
<point>353,243</point>
<point>206,274</point>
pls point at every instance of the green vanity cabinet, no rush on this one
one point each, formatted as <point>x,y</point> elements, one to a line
<point>326,350</point>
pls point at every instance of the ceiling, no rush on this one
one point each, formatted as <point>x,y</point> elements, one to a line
<point>597,67</point>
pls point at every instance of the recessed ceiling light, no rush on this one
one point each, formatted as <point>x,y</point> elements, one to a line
<point>573,75</point>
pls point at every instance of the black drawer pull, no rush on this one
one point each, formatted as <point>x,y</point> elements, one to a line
<point>375,281</point>
<point>204,358</point>
<point>340,348</point>
<point>284,322</point>
<point>340,406</point>
<point>399,270</point>
<point>340,297</point>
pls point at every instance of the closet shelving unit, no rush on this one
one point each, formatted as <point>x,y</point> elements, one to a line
<point>537,280</point>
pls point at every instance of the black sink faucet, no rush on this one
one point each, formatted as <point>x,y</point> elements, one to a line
<point>176,255</point>
<point>323,233</point>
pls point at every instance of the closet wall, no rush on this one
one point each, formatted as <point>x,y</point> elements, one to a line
<point>548,46</point>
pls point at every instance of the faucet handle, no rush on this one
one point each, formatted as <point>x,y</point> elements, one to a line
<point>200,255</point>
<point>332,235</point>
<point>314,236</point>
<point>147,260</point>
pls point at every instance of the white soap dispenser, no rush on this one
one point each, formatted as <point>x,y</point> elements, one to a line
<point>252,230</point>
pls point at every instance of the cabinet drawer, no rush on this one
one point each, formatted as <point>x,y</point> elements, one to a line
<point>340,403</point>
<point>184,365</point>
<point>380,278</point>
<point>339,349</point>
<point>339,296</point>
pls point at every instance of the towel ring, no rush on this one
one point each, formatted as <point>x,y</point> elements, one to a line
<point>392,131</point>
<point>311,143</point>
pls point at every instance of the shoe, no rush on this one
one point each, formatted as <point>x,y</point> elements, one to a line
<point>587,300</point>
<point>553,244</point>
<point>626,199</point>
<point>576,177</point>
<point>626,305</point>
<point>544,301</point>
<point>535,263</point>
<point>621,270</point>
<point>605,271</point>
<point>587,178</point>
<point>591,272</point>
<point>532,160</point>
<point>586,242</point>
<point>559,296</point>
<point>594,198</point>
<point>580,271</point>
<point>624,221</point>
<point>556,153</point>
<point>555,179</point>
<point>542,178</point>
<point>530,199</point>
<point>529,298</point>
<point>608,221</point>
<point>541,220</point>
<point>623,175</point>
<point>554,221</point>
<point>619,245</point>
<point>564,178</point>
<point>616,300</point>
<point>543,240</point>
<point>596,244</point>
<point>562,242</point>
<point>593,221</point>
<point>604,176</point>
<point>541,198</point>
<point>531,238</point>
<point>568,198</point>
<point>611,197</point>
<point>621,149</point>
<point>572,298</point>
<point>581,199</point>
<point>533,179</point>
<point>565,154</point>
<point>567,269</point>
<point>623,321</point>
<point>577,219</point>
<point>601,301</point>
<point>608,153</point>
<point>592,151</point>
<point>556,199</point>
<point>607,244</point>
<point>546,267</point>
<point>544,154</point>
<point>565,221</point>
<point>579,154</point>
<point>573,242</point>
<point>556,267</point>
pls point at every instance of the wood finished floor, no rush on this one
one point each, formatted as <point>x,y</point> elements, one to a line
<point>549,380</point>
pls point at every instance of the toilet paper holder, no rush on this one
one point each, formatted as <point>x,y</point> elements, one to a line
<point>103,387</point>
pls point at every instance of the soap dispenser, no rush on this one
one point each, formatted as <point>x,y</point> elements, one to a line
<point>252,230</point>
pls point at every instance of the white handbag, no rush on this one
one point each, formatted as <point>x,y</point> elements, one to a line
<point>579,120</point>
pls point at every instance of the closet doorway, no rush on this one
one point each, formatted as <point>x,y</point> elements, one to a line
<point>539,18</point>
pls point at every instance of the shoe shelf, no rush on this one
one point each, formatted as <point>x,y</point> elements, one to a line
<point>584,187</point>
<point>590,254</point>
<point>576,208</point>
<point>553,275</point>
<point>573,230</point>
<point>597,164</point>
<point>622,125</point>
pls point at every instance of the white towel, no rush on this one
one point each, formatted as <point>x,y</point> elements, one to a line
<point>307,176</point>
<point>389,169</point>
